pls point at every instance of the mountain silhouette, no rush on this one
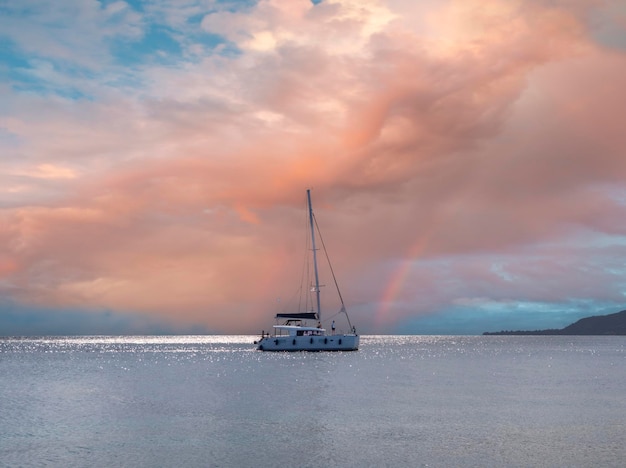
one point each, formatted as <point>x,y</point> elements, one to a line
<point>612,324</point>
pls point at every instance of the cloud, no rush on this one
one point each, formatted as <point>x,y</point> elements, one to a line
<point>16,320</point>
<point>74,34</point>
<point>441,139</point>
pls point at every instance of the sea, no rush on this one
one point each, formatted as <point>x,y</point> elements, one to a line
<point>399,401</point>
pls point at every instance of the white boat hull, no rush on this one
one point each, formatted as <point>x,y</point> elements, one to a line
<point>309,343</point>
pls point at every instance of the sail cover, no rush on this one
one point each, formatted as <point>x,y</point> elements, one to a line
<point>298,316</point>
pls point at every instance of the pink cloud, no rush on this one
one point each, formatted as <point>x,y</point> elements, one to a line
<point>465,129</point>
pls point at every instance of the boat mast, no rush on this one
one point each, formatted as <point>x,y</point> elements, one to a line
<point>317,281</point>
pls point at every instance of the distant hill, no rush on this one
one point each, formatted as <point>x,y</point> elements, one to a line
<point>612,324</point>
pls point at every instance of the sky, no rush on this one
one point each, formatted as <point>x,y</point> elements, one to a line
<point>467,161</point>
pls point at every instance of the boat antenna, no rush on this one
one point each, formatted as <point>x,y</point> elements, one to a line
<point>317,281</point>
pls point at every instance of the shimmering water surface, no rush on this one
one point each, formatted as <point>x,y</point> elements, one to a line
<point>399,401</point>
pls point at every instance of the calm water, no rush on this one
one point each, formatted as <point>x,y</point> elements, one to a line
<point>399,401</point>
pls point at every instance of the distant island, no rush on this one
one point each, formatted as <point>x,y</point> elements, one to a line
<point>612,324</point>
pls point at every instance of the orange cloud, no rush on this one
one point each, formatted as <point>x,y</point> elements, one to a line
<point>431,132</point>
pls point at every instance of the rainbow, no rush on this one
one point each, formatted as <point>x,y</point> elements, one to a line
<point>398,278</point>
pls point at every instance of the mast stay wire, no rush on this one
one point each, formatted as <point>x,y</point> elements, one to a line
<point>330,265</point>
